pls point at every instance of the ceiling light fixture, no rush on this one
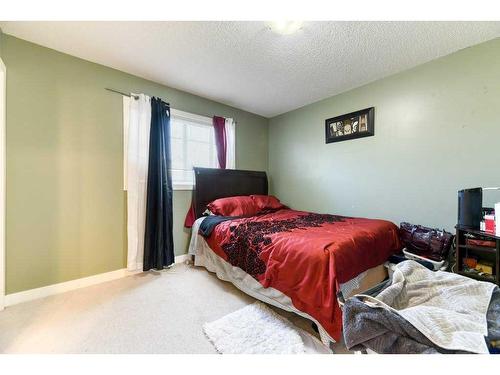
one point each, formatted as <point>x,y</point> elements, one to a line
<point>285,27</point>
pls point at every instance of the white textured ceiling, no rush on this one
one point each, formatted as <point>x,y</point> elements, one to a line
<point>246,65</point>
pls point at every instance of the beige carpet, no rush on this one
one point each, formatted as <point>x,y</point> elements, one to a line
<point>161,312</point>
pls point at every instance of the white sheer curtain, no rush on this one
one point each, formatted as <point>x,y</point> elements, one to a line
<point>230,143</point>
<point>137,159</point>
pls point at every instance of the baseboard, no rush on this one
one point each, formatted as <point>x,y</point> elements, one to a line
<point>49,290</point>
<point>182,258</point>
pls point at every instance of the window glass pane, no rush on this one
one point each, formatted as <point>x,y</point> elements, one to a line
<point>188,177</point>
<point>177,175</point>
<point>177,146</point>
<point>192,144</point>
<point>199,132</point>
<point>198,154</point>
<point>214,160</point>
<point>176,130</point>
<point>182,176</point>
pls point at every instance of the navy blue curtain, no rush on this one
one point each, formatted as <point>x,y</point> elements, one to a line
<point>158,240</point>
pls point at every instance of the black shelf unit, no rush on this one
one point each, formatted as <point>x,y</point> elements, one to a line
<point>491,254</point>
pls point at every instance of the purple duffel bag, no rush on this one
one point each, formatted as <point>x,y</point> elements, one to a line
<point>430,243</point>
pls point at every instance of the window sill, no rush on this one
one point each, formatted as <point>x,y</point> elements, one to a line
<point>178,186</point>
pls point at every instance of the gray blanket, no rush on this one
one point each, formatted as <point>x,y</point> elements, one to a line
<point>385,331</point>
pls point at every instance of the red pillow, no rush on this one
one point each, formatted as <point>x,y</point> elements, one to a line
<point>233,206</point>
<point>267,202</point>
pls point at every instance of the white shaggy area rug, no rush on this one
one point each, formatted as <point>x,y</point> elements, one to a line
<point>256,329</point>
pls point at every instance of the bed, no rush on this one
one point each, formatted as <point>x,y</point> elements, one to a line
<point>295,260</point>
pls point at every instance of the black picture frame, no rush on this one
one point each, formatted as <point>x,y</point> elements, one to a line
<point>345,127</point>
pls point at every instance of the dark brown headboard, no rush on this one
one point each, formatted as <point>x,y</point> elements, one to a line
<point>211,184</point>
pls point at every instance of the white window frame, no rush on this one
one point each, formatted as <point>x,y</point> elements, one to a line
<point>202,120</point>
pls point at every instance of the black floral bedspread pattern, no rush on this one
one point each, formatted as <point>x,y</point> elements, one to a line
<point>247,239</point>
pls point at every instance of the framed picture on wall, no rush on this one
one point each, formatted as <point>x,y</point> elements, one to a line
<point>350,126</point>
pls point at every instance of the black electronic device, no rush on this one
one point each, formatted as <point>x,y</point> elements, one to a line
<point>470,203</point>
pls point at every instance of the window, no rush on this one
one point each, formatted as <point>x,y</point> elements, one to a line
<point>192,141</point>
<point>192,145</point>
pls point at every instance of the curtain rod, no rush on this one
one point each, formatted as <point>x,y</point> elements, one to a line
<point>129,95</point>
<point>133,96</point>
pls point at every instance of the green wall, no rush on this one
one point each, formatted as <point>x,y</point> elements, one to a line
<point>437,130</point>
<point>66,210</point>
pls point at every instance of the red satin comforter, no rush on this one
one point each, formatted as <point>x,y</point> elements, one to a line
<point>305,255</point>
